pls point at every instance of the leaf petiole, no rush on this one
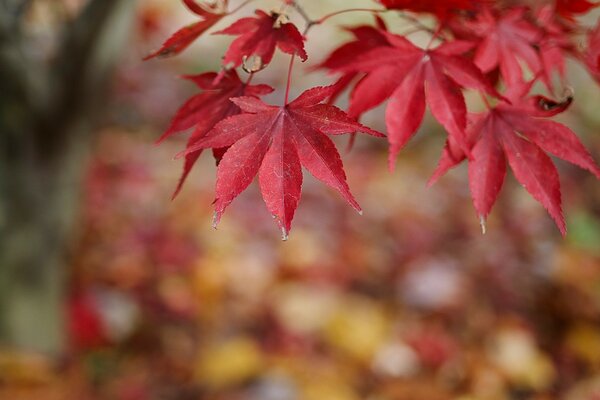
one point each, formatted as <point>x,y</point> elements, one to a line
<point>289,79</point>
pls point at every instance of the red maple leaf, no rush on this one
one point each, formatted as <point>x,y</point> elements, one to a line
<point>366,37</point>
<point>399,72</point>
<point>184,37</point>
<point>568,8</point>
<point>259,36</point>
<point>204,110</point>
<point>274,142</point>
<point>519,133</point>
<point>506,39</point>
<point>442,9</point>
<point>554,45</point>
<point>592,53</point>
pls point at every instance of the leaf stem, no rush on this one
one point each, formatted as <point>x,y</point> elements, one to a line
<point>302,13</point>
<point>289,79</point>
<point>250,76</point>
<point>434,36</point>
<point>244,4</point>
<point>333,14</point>
<point>312,22</point>
<point>416,22</point>
<point>485,101</point>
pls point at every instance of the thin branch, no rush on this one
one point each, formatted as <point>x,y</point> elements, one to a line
<point>335,14</point>
<point>238,8</point>
<point>302,13</point>
<point>416,22</point>
<point>289,79</point>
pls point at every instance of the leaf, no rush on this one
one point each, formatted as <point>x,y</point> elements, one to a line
<point>556,139</point>
<point>410,76</point>
<point>505,40</point>
<point>203,111</point>
<point>184,37</point>
<point>405,112</point>
<point>517,132</point>
<point>446,102</point>
<point>487,169</point>
<point>442,9</point>
<point>568,8</point>
<point>274,142</point>
<point>591,55</point>
<point>536,172</point>
<point>259,36</point>
<point>366,38</point>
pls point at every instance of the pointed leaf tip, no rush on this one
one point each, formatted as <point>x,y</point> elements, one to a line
<point>483,224</point>
<point>284,234</point>
<point>215,220</point>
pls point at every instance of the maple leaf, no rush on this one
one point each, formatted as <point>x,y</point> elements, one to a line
<point>569,8</point>
<point>399,72</point>
<point>274,142</point>
<point>204,110</point>
<point>185,36</point>
<point>505,40</point>
<point>554,44</point>
<point>366,37</point>
<point>442,9</point>
<point>259,36</point>
<point>591,56</point>
<point>519,133</point>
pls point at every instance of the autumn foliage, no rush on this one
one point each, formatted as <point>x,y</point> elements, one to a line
<point>513,53</point>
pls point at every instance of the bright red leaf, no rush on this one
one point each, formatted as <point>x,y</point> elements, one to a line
<point>274,142</point>
<point>569,8</point>
<point>259,36</point>
<point>204,110</point>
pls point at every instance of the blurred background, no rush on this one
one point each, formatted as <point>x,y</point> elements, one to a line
<point>110,290</point>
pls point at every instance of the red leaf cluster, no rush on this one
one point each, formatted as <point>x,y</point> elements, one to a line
<point>479,45</point>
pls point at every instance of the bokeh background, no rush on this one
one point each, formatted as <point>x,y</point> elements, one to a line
<point>110,290</point>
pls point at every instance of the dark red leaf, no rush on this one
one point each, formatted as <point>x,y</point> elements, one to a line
<point>569,8</point>
<point>259,36</point>
<point>442,9</point>
<point>184,37</point>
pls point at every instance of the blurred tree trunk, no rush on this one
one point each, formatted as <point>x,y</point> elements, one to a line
<point>46,115</point>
